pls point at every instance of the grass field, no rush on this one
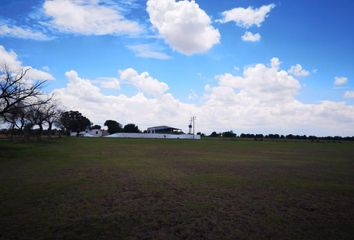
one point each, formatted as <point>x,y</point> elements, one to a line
<point>165,189</point>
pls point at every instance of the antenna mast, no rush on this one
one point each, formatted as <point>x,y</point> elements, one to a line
<point>191,125</point>
<point>193,118</point>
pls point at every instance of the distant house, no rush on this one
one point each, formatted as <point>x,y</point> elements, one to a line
<point>164,130</point>
<point>95,132</point>
<point>75,134</point>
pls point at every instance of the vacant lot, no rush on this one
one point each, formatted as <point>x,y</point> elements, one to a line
<point>166,189</point>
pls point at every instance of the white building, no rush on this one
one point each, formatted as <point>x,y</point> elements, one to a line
<point>155,135</point>
<point>164,129</point>
<point>89,133</point>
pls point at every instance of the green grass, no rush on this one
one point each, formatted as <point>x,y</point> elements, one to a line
<point>76,188</point>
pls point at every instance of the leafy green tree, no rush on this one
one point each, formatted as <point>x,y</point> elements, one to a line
<point>214,134</point>
<point>113,126</point>
<point>131,128</point>
<point>229,134</point>
<point>74,121</point>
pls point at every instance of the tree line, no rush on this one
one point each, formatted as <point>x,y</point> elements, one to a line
<point>23,104</point>
<point>74,121</point>
<point>261,137</point>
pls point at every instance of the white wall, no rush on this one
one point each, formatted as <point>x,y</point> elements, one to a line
<point>95,132</point>
<point>88,133</point>
<point>154,135</point>
<point>73,134</point>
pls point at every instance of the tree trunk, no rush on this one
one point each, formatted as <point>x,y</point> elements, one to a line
<point>12,129</point>
<point>50,124</point>
<point>40,131</point>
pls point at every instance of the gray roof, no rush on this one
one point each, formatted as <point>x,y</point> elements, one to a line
<point>161,128</point>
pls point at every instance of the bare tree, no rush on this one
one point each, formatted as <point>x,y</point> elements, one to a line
<point>17,92</point>
<point>33,118</point>
<point>52,115</point>
<point>16,118</point>
<point>36,115</point>
<point>43,115</point>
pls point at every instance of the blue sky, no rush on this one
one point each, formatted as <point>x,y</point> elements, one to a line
<point>177,56</point>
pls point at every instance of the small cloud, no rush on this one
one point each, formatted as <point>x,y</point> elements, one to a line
<point>275,62</point>
<point>148,51</point>
<point>349,94</point>
<point>46,68</point>
<point>340,81</point>
<point>193,95</point>
<point>298,71</point>
<point>247,17</point>
<point>251,37</point>
<point>108,83</point>
<point>237,69</point>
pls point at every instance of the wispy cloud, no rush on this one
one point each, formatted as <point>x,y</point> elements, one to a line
<point>88,18</point>
<point>13,31</point>
<point>148,51</point>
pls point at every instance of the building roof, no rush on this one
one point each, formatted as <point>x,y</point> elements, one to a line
<point>161,128</point>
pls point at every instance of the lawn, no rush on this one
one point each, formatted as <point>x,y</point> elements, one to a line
<point>96,188</point>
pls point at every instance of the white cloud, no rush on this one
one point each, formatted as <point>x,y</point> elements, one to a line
<point>88,18</point>
<point>148,51</point>
<point>36,74</point>
<point>340,81</point>
<point>262,83</point>
<point>108,83</point>
<point>247,17</point>
<point>143,82</point>
<point>264,100</point>
<point>251,37</point>
<point>9,58</point>
<point>184,26</point>
<point>349,94</point>
<point>261,100</point>
<point>12,31</point>
<point>298,71</point>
